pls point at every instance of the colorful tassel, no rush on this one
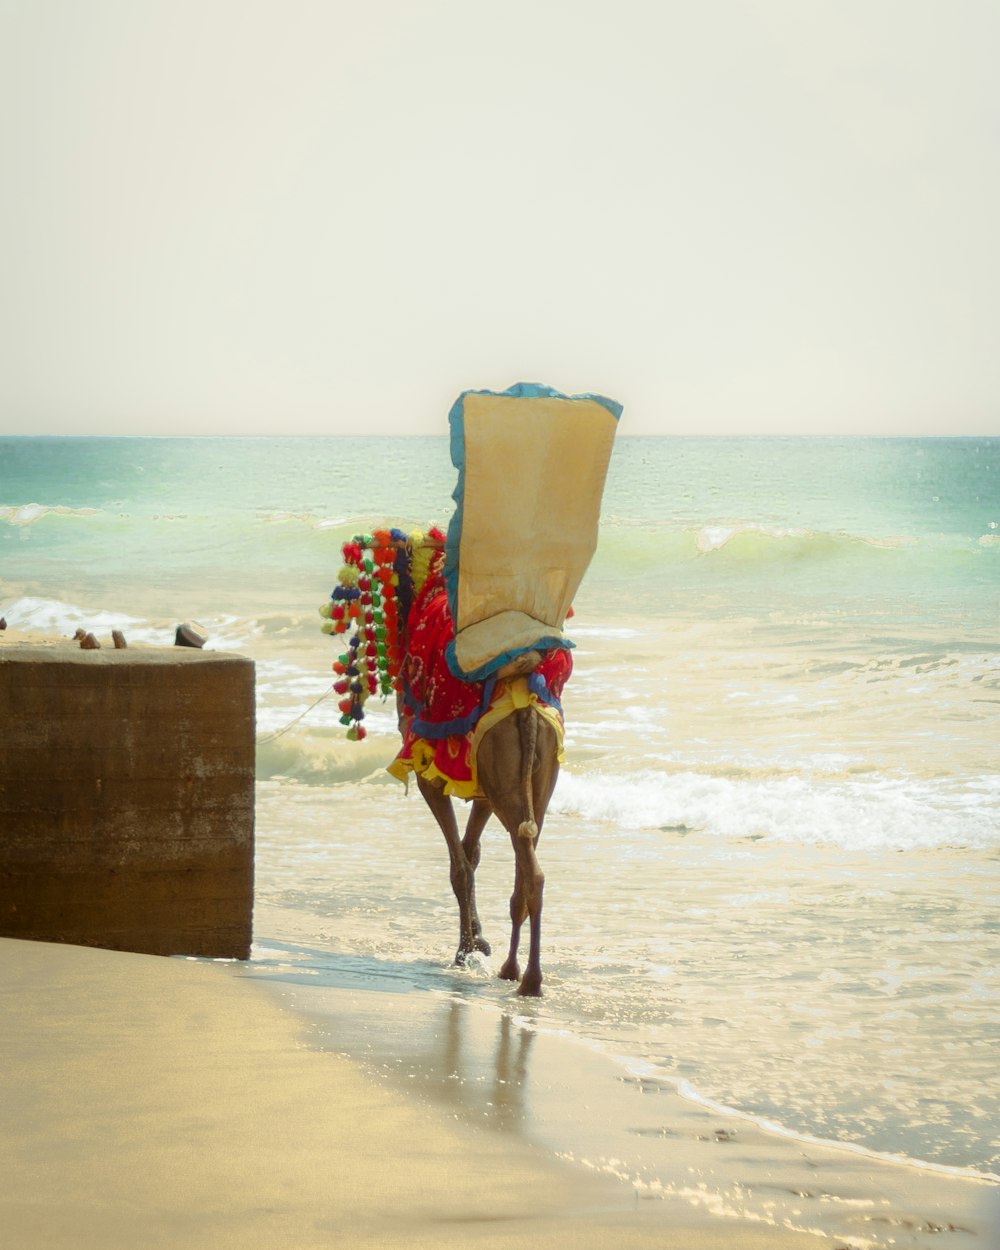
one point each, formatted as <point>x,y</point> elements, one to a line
<point>370,602</point>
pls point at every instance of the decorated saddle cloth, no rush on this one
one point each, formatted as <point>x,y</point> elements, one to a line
<point>442,716</point>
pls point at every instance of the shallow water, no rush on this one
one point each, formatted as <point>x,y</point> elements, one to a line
<point>772,856</point>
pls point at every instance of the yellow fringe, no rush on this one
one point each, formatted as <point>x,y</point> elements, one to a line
<point>422,763</point>
<point>512,695</point>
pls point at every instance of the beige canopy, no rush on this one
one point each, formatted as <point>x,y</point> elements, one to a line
<point>532,465</point>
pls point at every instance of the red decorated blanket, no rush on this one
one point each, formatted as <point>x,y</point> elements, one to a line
<point>442,717</point>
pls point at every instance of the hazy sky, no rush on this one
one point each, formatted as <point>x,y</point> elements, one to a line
<point>733,216</point>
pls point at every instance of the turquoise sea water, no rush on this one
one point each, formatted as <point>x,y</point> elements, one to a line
<point>772,858</point>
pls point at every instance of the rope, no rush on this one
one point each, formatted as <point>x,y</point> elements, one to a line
<point>278,732</point>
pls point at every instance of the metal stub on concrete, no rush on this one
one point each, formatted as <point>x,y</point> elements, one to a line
<point>89,643</point>
<point>135,833</point>
<point>118,638</point>
<point>190,635</point>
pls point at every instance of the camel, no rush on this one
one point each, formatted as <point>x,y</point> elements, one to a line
<point>516,758</point>
<point>517,764</point>
<point>516,550</point>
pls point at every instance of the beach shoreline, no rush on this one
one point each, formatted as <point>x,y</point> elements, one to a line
<point>465,1046</point>
<point>163,1102</point>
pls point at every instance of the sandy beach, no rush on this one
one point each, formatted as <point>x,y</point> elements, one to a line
<point>155,1102</point>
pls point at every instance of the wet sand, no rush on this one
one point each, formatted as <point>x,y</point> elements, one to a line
<point>155,1102</point>
<point>473,1051</point>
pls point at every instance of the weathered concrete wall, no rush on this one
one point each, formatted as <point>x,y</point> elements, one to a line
<point>126,799</point>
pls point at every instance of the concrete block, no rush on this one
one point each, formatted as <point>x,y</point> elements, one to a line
<point>127,798</point>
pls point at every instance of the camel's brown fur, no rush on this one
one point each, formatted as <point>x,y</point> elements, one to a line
<point>517,765</point>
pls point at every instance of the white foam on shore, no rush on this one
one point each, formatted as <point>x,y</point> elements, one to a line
<point>59,618</point>
<point>29,513</point>
<point>854,812</point>
<point>56,616</point>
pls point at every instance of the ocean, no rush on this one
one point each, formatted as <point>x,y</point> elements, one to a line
<point>772,856</point>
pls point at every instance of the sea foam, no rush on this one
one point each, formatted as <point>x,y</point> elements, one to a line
<point>873,813</point>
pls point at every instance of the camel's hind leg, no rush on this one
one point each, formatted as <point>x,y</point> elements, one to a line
<point>511,970</point>
<point>526,902</point>
<point>517,765</point>
<point>464,855</point>
<point>529,885</point>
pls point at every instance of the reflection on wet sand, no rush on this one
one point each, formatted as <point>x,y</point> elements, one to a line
<point>484,1079</point>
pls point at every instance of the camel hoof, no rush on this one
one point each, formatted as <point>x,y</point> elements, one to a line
<point>530,988</point>
<point>479,946</point>
<point>510,972</point>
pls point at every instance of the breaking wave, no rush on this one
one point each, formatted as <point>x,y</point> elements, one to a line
<point>871,813</point>
<point>322,759</point>
<point>744,542</point>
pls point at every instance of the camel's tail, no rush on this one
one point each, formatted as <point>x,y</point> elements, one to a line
<point>527,727</point>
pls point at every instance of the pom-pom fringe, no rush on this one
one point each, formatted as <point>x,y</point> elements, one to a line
<point>381,574</point>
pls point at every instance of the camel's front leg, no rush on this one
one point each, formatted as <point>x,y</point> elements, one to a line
<point>478,816</point>
<point>462,868</point>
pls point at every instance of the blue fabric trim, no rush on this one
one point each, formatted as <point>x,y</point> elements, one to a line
<point>413,704</point>
<point>537,390</point>
<point>538,686</point>
<point>462,725</point>
<point>453,542</point>
<point>492,666</point>
<point>456,424</point>
<point>456,728</point>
